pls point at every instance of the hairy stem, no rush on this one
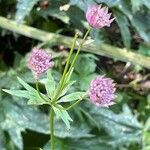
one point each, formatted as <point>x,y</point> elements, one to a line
<point>123,54</point>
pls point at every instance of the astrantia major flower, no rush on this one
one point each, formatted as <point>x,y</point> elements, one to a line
<point>102,91</point>
<point>39,61</point>
<point>98,17</point>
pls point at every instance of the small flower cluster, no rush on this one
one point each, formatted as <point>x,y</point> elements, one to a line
<point>98,16</point>
<point>39,61</point>
<point>102,91</point>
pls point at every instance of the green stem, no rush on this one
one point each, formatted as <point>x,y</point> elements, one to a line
<point>65,70</point>
<point>52,128</point>
<point>37,88</point>
<point>79,48</point>
<point>77,53</point>
<point>61,84</point>
<point>73,105</point>
<point>69,57</point>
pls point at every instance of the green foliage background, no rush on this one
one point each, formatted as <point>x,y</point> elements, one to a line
<point>124,126</point>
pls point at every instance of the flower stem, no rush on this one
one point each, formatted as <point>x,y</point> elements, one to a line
<point>77,53</point>
<point>37,88</point>
<point>62,81</point>
<point>73,105</point>
<point>79,48</point>
<point>52,128</point>
<point>65,70</point>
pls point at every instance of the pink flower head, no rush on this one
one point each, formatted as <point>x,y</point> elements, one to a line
<point>98,17</point>
<point>39,61</point>
<point>102,91</point>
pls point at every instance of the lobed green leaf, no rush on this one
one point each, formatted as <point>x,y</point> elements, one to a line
<point>72,97</point>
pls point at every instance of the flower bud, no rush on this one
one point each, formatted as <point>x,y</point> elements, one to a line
<point>102,91</point>
<point>39,61</point>
<point>98,17</point>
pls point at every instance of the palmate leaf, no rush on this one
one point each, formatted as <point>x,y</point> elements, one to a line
<point>23,8</point>
<point>89,68</point>
<point>76,130</point>
<point>80,144</point>
<point>16,118</point>
<point>55,12</point>
<point>63,114</point>
<point>30,93</point>
<point>34,97</point>
<point>124,28</point>
<point>110,3</point>
<point>124,128</point>
<point>2,140</point>
<point>72,97</point>
<point>146,3</point>
<point>136,5</point>
<point>85,73</point>
<point>84,3</point>
<point>141,22</point>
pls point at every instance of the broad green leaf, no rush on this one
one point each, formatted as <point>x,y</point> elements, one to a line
<point>10,77</point>
<point>83,4</point>
<point>124,28</point>
<point>73,96</point>
<point>50,85</point>
<point>55,12</point>
<point>80,144</point>
<point>2,140</point>
<point>23,8</point>
<point>124,128</point>
<point>144,49</point>
<point>17,118</point>
<point>146,3</point>
<point>136,5</point>
<point>19,93</point>
<point>84,73</point>
<point>63,114</point>
<point>110,3</point>
<point>18,140</point>
<point>79,3</point>
<point>77,130</point>
<point>87,64</point>
<point>142,24</point>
